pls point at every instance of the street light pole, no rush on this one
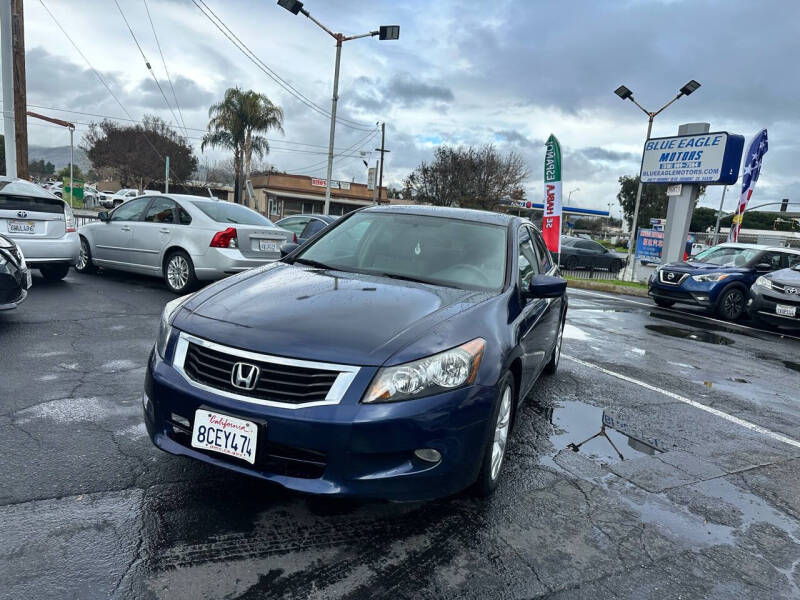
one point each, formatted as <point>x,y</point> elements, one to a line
<point>625,94</point>
<point>385,32</point>
<point>569,196</point>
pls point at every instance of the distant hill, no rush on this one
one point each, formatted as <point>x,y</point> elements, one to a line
<point>59,156</point>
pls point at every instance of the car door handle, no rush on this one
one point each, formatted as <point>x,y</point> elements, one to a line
<point>164,230</point>
<point>125,228</point>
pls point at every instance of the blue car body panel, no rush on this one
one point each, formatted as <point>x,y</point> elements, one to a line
<point>702,293</point>
<point>328,316</point>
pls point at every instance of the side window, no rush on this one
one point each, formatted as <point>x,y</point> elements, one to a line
<point>773,259</point>
<point>295,225</point>
<point>792,259</point>
<point>314,225</point>
<point>542,253</point>
<point>184,218</point>
<point>528,265</point>
<point>130,211</point>
<point>161,210</point>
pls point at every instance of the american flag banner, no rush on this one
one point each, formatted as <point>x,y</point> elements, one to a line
<point>752,169</point>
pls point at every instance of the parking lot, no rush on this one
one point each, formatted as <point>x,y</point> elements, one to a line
<point>701,498</point>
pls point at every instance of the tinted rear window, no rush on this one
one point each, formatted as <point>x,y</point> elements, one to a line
<point>32,204</point>
<point>226,212</point>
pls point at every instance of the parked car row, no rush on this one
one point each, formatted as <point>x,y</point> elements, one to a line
<point>587,254</point>
<point>722,278</point>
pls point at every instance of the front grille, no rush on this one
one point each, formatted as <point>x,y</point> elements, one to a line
<point>276,382</point>
<point>273,458</point>
<point>677,277</point>
<point>787,301</point>
<point>673,294</point>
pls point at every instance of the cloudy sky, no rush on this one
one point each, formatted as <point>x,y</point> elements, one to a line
<point>463,72</point>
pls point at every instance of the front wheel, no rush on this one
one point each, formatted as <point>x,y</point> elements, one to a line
<point>495,451</point>
<point>551,367</point>
<point>616,266</point>
<point>85,264</point>
<point>179,272</point>
<point>730,305</point>
<point>55,272</point>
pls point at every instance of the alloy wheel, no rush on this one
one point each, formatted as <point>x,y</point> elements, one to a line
<point>83,256</point>
<point>733,303</point>
<point>501,432</point>
<point>177,272</point>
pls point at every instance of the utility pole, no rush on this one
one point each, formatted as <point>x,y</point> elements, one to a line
<point>166,178</point>
<point>20,101</point>
<point>382,150</point>
<point>8,88</point>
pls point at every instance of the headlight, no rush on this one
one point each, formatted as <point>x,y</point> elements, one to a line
<point>165,326</point>
<point>764,282</point>
<point>711,277</point>
<point>438,373</point>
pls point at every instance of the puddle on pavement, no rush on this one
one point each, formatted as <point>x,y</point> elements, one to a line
<point>707,337</point>
<point>597,434</point>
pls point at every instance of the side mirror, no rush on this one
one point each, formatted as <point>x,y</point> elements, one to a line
<point>288,248</point>
<point>546,286</point>
<point>104,216</point>
<point>763,268</point>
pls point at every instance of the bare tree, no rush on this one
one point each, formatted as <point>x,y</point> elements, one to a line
<point>467,177</point>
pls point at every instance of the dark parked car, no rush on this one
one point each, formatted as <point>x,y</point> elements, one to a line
<point>582,253</point>
<point>775,297</point>
<point>305,227</point>
<point>718,278</point>
<point>385,358</point>
<point>15,277</point>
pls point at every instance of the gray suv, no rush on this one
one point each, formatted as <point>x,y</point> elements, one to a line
<point>41,224</point>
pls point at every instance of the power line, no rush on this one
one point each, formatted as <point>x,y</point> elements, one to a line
<point>244,49</point>
<point>147,63</point>
<point>164,62</point>
<point>317,164</point>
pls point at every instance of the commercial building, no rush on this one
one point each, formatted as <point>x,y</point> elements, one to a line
<point>280,195</point>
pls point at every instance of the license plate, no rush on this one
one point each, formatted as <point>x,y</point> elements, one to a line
<point>268,246</point>
<point>786,311</point>
<point>224,434</point>
<point>21,227</point>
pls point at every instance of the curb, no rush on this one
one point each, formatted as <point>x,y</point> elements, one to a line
<point>607,287</point>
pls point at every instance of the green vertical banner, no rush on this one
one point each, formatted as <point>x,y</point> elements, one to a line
<point>551,219</point>
<point>73,197</point>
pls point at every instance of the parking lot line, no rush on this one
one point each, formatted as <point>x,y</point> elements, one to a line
<point>723,415</point>
<point>726,323</point>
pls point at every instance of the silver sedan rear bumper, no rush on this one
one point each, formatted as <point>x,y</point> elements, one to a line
<point>217,263</point>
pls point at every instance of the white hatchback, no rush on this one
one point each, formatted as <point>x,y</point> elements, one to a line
<point>41,224</point>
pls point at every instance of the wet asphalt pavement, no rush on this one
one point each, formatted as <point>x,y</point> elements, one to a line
<point>703,501</point>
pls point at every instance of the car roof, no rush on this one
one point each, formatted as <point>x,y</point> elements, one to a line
<point>742,245</point>
<point>23,187</point>
<point>780,249</point>
<point>465,214</point>
<point>321,217</point>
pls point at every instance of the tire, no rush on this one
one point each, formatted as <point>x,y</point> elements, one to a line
<point>54,272</point>
<point>179,272</point>
<point>571,263</point>
<point>85,264</point>
<point>488,476</point>
<point>664,303</point>
<point>731,303</point>
<point>552,366</point>
<point>616,266</point>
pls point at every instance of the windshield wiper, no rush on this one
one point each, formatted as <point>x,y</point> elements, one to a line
<point>313,263</point>
<point>405,278</point>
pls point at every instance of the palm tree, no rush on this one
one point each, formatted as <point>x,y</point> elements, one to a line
<point>236,123</point>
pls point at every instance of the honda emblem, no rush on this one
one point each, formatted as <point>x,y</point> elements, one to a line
<point>244,376</point>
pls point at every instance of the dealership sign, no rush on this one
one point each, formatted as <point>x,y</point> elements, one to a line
<point>709,158</point>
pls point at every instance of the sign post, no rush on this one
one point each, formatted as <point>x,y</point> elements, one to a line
<point>551,217</point>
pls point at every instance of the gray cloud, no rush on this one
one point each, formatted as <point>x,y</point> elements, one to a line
<point>403,90</point>
<point>597,153</point>
<point>190,95</point>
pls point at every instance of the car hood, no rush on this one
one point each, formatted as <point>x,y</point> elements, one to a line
<point>786,276</point>
<point>701,267</point>
<point>315,314</point>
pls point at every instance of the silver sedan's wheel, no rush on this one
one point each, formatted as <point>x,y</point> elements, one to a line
<point>501,432</point>
<point>84,263</point>
<point>179,272</point>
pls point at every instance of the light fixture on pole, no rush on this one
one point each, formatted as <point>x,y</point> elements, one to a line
<point>569,196</point>
<point>625,94</point>
<point>385,32</point>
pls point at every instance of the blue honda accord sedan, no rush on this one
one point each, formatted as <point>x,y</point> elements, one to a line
<point>385,358</point>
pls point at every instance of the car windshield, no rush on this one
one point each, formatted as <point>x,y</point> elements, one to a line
<point>727,256</point>
<point>226,212</point>
<point>436,250</point>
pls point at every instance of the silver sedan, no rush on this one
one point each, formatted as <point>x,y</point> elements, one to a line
<point>184,239</point>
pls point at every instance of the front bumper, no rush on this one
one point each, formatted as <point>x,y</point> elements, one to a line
<point>217,263</point>
<point>762,305</point>
<point>13,288</point>
<point>689,291</point>
<point>349,448</point>
<point>44,251</point>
